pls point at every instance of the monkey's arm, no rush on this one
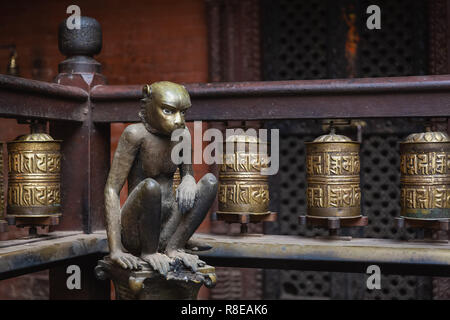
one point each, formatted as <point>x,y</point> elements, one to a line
<point>187,190</point>
<point>123,160</point>
<point>186,168</point>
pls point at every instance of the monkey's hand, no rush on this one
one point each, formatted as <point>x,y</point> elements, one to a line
<point>125,260</point>
<point>186,194</point>
<point>189,260</point>
<point>158,261</point>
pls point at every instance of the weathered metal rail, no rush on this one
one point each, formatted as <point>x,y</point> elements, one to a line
<point>25,98</point>
<point>300,253</point>
<point>418,96</point>
<point>23,256</point>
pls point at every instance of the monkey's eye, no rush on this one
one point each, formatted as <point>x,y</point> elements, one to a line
<point>167,111</point>
<point>183,112</point>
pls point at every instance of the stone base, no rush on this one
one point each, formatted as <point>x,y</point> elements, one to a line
<point>147,284</point>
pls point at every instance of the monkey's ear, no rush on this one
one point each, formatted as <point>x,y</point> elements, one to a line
<point>147,91</point>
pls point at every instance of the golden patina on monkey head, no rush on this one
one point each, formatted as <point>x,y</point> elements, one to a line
<point>164,106</point>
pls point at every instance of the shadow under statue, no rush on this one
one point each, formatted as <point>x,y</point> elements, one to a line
<point>148,235</point>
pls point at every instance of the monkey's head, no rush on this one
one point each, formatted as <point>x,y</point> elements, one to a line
<point>164,106</point>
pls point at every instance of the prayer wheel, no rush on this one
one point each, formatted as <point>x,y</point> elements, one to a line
<point>34,162</point>
<point>333,168</point>
<point>425,176</point>
<point>243,190</point>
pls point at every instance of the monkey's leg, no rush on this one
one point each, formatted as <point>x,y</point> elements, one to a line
<point>169,226</point>
<point>141,218</point>
<point>207,190</point>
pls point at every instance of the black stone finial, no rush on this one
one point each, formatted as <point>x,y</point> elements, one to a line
<point>86,41</point>
<point>79,46</point>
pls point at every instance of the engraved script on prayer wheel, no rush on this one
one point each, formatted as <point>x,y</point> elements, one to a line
<point>34,162</point>
<point>425,176</point>
<point>242,187</point>
<point>333,168</point>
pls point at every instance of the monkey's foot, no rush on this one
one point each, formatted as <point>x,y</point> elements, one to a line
<point>189,260</point>
<point>158,261</point>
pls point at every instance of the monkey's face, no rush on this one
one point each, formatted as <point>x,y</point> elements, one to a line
<point>166,118</point>
<point>167,107</point>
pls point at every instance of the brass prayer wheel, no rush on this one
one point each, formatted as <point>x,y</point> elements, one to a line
<point>34,162</point>
<point>243,190</point>
<point>333,168</point>
<point>425,176</point>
